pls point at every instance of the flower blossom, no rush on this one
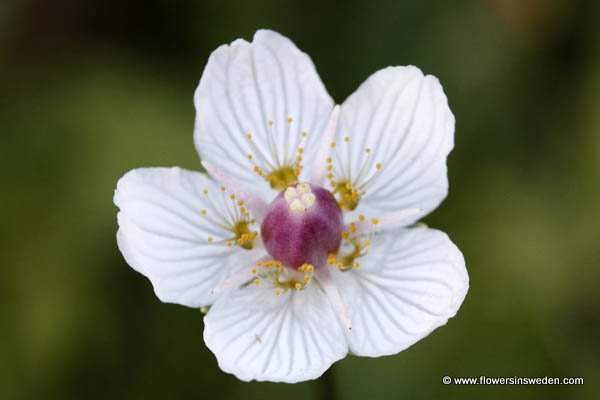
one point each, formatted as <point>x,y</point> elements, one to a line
<point>302,240</point>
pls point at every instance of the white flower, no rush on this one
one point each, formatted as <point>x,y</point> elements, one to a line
<point>291,288</point>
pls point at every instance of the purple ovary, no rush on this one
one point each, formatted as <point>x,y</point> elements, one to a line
<point>303,225</point>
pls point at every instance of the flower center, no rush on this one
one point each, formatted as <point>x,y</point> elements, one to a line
<point>303,225</point>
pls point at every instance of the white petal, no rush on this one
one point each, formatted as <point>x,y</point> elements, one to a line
<point>257,335</point>
<point>411,282</point>
<point>163,234</point>
<point>404,118</point>
<point>245,85</point>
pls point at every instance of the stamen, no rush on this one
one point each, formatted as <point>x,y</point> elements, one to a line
<point>355,240</point>
<point>349,191</point>
<point>235,222</point>
<point>282,168</point>
<point>273,143</point>
<point>258,151</point>
<point>283,279</point>
<point>284,171</point>
<point>256,205</point>
<point>363,185</point>
<point>318,170</point>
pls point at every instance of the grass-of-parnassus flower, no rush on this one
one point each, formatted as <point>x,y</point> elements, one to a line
<point>302,237</point>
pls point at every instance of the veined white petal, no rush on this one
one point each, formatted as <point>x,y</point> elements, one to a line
<point>268,91</point>
<point>411,282</point>
<point>386,221</point>
<point>164,233</point>
<point>403,119</point>
<point>333,295</point>
<point>257,335</point>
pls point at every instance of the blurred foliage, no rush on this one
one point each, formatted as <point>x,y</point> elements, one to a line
<point>92,89</point>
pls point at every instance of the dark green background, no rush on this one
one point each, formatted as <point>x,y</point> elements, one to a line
<point>91,89</point>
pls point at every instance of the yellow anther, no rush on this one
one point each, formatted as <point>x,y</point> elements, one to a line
<point>304,134</point>
<point>331,258</point>
<point>290,120</point>
<point>270,123</point>
<point>210,239</point>
<point>353,227</point>
<point>361,218</point>
<point>298,286</point>
<point>254,270</point>
<point>346,139</point>
<point>232,197</point>
<point>222,188</point>
<point>356,264</point>
<point>260,263</point>
<point>340,266</point>
<point>278,292</point>
<point>329,160</point>
<point>300,150</point>
<point>249,156</point>
<point>229,244</point>
<point>256,281</point>
<point>332,145</point>
<point>347,195</point>
<point>249,136</point>
<point>368,150</point>
<point>330,176</point>
<point>375,221</point>
<point>306,278</point>
<point>203,212</point>
<point>378,165</point>
<point>329,167</point>
<point>345,235</point>
<point>241,203</point>
<point>367,243</point>
<point>205,191</point>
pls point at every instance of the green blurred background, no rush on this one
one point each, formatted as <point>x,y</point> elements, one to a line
<point>91,89</point>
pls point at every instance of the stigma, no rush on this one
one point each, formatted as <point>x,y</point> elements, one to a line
<point>299,197</point>
<point>303,225</point>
